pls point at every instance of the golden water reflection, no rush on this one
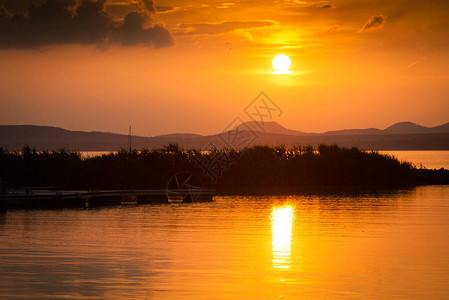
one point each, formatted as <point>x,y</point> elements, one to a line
<point>281,228</point>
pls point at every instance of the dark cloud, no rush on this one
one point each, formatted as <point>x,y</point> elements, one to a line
<point>78,21</point>
<point>132,32</point>
<point>16,6</point>
<point>164,8</point>
<point>375,22</point>
<point>326,6</point>
<point>149,6</point>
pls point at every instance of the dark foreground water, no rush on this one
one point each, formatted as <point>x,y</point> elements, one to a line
<point>371,246</point>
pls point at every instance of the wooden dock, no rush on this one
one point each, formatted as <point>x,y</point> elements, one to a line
<point>61,199</point>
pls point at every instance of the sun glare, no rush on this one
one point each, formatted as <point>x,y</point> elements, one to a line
<point>281,63</point>
<point>281,228</point>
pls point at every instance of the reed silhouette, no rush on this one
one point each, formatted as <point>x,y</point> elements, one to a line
<point>257,166</point>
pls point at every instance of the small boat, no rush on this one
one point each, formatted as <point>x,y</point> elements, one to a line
<point>175,198</point>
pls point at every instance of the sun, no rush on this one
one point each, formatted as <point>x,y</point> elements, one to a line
<point>281,63</point>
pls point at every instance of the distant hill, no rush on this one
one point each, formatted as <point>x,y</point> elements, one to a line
<point>14,137</point>
<point>181,135</point>
<point>398,128</point>
<point>441,128</point>
<point>406,128</point>
<point>354,131</point>
<point>400,136</point>
<point>270,127</point>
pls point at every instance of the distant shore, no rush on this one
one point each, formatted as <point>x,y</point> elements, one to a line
<point>400,136</point>
<point>257,166</point>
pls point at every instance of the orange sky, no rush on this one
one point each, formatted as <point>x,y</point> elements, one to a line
<point>355,64</point>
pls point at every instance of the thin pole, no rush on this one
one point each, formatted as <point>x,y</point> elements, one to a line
<point>129,138</point>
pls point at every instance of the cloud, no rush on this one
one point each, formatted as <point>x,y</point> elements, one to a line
<point>326,6</point>
<point>417,62</point>
<point>149,6</point>
<point>20,5</point>
<point>80,22</point>
<point>132,32</point>
<point>222,27</point>
<point>225,5</point>
<point>375,22</point>
<point>161,8</point>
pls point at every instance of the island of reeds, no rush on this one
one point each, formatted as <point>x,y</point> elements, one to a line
<point>257,166</point>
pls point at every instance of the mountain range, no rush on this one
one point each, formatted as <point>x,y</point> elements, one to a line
<point>398,128</point>
<point>400,136</point>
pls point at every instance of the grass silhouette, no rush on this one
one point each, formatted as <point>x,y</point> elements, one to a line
<point>257,166</point>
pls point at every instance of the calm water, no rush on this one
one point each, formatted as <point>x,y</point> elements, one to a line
<point>370,246</point>
<point>428,159</point>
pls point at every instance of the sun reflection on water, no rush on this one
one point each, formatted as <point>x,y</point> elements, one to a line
<point>281,228</point>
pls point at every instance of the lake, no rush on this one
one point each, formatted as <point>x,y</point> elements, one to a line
<point>383,245</point>
<point>428,159</point>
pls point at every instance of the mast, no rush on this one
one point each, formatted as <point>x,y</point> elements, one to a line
<point>129,139</point>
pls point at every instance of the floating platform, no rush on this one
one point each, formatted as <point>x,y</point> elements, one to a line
<point>60,199</point>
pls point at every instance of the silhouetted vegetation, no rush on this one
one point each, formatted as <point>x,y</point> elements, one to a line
<point>258,166</point>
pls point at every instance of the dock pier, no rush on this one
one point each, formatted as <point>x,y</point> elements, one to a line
<point>61,199</point>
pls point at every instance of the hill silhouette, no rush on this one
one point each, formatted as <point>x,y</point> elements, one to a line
<point>400,136</point>
<point>270,127</point>
<point>398,128</point>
